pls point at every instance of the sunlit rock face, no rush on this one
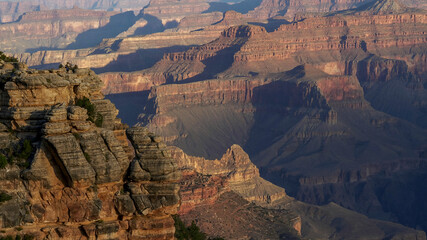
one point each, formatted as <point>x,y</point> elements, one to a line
<point>84,174</point>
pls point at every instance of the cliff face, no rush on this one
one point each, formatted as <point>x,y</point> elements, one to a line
<point>72,169</point>
<point>50,28</point>
<point>290,8</point>
<point>333,44</point>
<point>208,182</point>
<point>314,103</point>
<point>211,189</point>
<point>115,5</point>
<point>174,11</point>
<point>11,11</point>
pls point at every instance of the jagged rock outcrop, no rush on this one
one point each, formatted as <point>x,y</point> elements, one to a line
<point>211,189</point>
<point>78,172</point>
<point>207,182</point>
<point>237,172</point>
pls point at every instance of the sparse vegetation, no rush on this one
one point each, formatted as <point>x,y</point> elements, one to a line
<point>94,117</point>
<point>28,237</point>
<point>4,197</point>
<point>6,58</point>
<point>3,161</point>
<point>18,237</point>
<point>18,229</point>
<point>191,232</point>
<point>99,120</point>
<point>87,156</point>
<point>93,188</point>
<point>26,150</point>
<point>69,66</point>
<point>77,136</point>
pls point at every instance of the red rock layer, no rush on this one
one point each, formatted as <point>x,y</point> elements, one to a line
<point>205,92</point>
<point>205,180</point>
<point>128,82</point>
<point>318,40</point>
<point>81,180</point>
<point>335,33</point>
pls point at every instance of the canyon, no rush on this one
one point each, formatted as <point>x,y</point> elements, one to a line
<point>324,99</point>
<point>332,108</point>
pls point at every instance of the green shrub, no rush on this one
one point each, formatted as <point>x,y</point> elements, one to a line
<point>93,116</point>
<point>28,237</point>
<point>3,161</point>
<point>26,150</point>
<point>6,58</point>
<point>4,197</point>
<point>77,136</point>
<point>191,232</point>
<point>86,104</point>
<point>87,156</point>
<point>99,120</point>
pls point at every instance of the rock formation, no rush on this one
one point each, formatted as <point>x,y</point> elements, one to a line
<point>325,106</point>
<point>71,169</point>
<point>173,11</point>
<point>115,5</point>
<point>211,189</point>
<point>50,28</point>
<point>291,8</point>
<point>11,11</point>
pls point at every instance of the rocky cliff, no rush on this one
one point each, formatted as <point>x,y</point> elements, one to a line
<point>71,169</point>
<point>115,5</point>
<point>11,11</point>
<point>50,28</point>
<point>316,103</point>
<point>211,189</point>
<point>291,8</point>
<point>333,44</point>
<point>173,11</point>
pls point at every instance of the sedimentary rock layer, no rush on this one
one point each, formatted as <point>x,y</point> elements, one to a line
<point>78,172</point>
<point>50,28</point>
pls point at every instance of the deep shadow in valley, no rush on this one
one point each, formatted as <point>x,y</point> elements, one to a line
<point>118,24</point>
<point>139,60</point>
<point>130,105</point>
